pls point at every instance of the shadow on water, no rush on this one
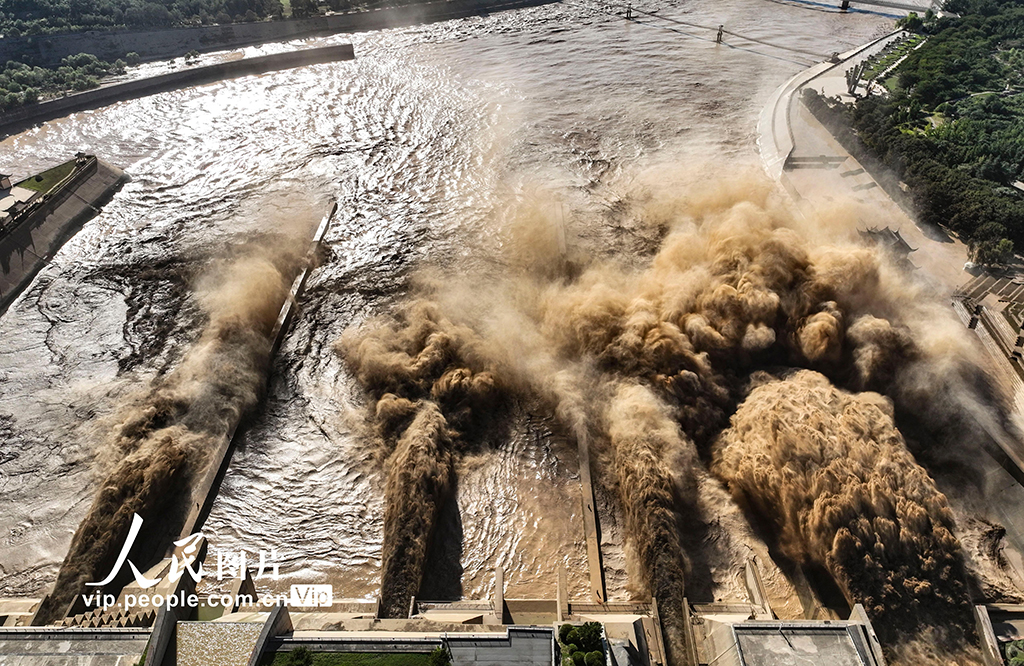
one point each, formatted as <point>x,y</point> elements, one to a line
<point>819,595</point>
<point>700,584</point>
<point>442,579</point>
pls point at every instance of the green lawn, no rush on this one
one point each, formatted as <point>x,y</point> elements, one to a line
<point>47,179</point>
<point>350,659</point>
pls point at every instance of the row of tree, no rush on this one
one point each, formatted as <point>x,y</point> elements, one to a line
<point>953,126</point>
<point>22,84</point>
<point>47,17</point>
<point>34,17</point>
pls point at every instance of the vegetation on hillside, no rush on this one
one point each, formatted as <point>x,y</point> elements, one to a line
<point>952,125</point>
<point>47,17</point>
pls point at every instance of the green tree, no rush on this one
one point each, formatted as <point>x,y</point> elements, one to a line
<point>589,637</point>
<point>912,22</point>
<point>992,252</point>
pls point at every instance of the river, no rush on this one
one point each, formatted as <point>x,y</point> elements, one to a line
<point>425,140</point>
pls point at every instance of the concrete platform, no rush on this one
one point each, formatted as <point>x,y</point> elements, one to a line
<point>531,646</point>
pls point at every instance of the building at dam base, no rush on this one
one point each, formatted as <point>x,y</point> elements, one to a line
<point>490,631</point>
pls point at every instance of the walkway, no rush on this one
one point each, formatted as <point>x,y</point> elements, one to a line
<point>821,175</point>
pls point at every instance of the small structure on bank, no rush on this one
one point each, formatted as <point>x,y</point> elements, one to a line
<point>13,199</point>
<point>892,243</point>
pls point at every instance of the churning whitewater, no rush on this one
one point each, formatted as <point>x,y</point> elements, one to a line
<point>528,256</point>
<point>651,361</point>
<point>159,445</point>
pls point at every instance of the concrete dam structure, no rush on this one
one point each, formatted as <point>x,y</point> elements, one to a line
<point>31,238</point>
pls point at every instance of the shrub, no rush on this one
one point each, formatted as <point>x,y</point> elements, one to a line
<point>439,657</point>
<point>563,633</point>
<point>594,659</point>
<point>589,637</point>
<point>300,656</point>
<point>579,659</point>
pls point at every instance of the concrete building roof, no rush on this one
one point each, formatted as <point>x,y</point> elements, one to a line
<point>782,645</point>
<point>16,195</point>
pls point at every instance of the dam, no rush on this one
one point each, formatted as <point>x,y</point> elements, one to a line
<point>449,147</point>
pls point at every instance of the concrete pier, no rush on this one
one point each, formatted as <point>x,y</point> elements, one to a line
<point>590,524</point>
<point>36,235</point>
<point>203,493</point>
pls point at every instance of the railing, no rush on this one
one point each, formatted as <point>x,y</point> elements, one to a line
<point>454,605</point>
<point>608,609</point>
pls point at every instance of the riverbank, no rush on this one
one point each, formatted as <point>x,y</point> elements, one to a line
<point>25,117</point>
<point>818,172</point>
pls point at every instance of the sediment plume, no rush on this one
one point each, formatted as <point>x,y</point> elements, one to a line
<point>430,393</point>
<point>653,463</point>
<point>833,475</point>
<point>418,481</point>
<point>647,358</point>
<point>161,441</point>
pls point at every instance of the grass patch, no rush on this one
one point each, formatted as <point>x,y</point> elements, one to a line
<point>47,179</point>
<point>350,659</point>
<point>877,64</point>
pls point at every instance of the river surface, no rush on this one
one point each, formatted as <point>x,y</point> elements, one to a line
<point>425,140</point>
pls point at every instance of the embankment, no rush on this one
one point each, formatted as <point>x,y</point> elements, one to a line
<point>26,248</point>
<point>175,42</point>
<point>25,117</point>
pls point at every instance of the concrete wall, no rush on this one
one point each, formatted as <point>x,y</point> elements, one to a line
<point>172,43</point>
<point>24,117</point>
<point>29,245</point>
